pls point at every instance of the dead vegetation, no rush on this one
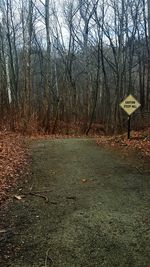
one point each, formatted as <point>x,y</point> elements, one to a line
<point>139,142</point>
<point>13,161</point>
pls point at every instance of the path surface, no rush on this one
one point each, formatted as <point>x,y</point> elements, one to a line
<point>98,212</point>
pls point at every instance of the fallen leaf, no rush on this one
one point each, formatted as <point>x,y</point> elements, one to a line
<point>18,197</point>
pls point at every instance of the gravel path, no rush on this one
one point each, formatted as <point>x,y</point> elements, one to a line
<point>88,207</point>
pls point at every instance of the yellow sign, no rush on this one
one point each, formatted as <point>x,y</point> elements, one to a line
<point>130,104</point>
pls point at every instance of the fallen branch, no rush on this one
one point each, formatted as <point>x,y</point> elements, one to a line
<point>39,195</point>
<point>47,257</point>
<point>36,194</point>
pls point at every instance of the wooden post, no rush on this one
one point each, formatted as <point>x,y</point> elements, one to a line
<point>129,126</point>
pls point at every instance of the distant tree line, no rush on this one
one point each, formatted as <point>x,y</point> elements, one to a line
<point>72,62</point>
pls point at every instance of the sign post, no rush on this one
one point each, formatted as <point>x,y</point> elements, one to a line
<point>129,126</point>
<point>129,105</point>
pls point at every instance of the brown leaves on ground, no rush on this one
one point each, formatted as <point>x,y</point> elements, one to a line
<point>140,141</point>
<point>13,161</point>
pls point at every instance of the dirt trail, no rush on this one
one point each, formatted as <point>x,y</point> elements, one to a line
<point>97,215</point>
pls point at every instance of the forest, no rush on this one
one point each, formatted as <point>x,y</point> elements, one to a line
<point>68,64</point>
<point>74,183</point>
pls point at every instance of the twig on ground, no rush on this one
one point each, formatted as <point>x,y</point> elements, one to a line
<point>47,257</point>
<point>39,195</point>
<point>36,194</point>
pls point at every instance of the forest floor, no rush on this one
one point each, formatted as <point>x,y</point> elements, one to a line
<point>14,158</point>
<point>139,142</point>
<point>82,205</point>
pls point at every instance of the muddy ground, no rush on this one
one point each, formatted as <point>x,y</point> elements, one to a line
<point>96,210</point>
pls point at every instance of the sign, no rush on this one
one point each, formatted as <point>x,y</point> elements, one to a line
<point>130,105</point>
